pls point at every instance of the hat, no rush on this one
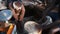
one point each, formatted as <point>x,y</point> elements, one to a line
<point>15,6</point>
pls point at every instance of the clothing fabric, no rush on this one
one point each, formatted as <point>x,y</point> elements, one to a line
<point>2,5</point>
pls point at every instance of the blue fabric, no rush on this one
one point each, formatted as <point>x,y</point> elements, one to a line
<point>5,15</point>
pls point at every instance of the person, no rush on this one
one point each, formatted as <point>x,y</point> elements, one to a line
<point>18,7</point>
<point>18,11</point>
<point>2,5</point>
<point>31,8</point>
<point>32,27</point>
<point>55,29</point>
<point>52,10</point>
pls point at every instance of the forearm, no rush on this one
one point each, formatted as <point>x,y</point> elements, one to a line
<point>22,13</point>
<point>22,16</point>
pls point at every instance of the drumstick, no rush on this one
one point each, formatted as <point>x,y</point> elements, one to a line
<point>10,29</point>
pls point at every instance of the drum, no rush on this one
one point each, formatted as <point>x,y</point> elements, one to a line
<point>9,28</point>
<point>5,15</point>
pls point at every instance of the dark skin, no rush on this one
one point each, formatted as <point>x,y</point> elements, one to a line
<point>15,12</point>
<point>54,30</point>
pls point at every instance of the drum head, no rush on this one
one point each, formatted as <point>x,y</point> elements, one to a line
<point>5,15</point>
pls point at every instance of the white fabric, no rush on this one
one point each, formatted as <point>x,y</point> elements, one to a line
<point>30,27</point>
<point>0,0</point>
<point>31,2</point>
<point>16,7</point>
<point>2,6</point>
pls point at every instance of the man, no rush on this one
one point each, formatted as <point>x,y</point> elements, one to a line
<point>18,11</point>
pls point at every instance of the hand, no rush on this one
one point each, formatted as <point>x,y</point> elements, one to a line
<point>21,18</point>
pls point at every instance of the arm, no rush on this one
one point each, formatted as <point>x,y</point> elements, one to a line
<point>22,13</point>
<point>13,11</point>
